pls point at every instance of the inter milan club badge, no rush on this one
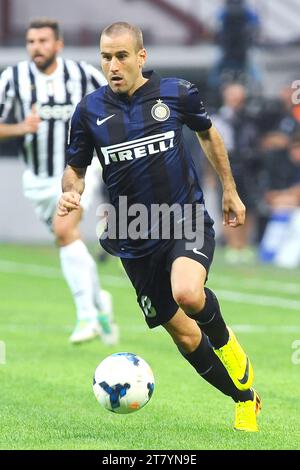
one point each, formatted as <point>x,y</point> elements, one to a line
<point>160,111</point>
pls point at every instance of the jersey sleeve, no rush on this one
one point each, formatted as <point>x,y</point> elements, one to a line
<point>95,78</point>
<point>193,111</point>
<point>7,93</point>
<point>80,146</point>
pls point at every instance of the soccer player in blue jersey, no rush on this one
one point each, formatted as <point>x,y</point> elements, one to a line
<point>135,124</point>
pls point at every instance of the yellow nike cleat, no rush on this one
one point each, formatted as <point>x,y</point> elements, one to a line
<point>246,413</point>
<point>236,362</point>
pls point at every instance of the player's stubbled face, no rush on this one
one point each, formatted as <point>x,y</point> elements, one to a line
<point>122,63</point>
<point>42,46</point>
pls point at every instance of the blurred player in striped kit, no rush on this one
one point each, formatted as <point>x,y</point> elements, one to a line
<point>42,94</point>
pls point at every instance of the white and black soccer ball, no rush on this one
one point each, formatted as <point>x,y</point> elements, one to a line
<point>123,383</point>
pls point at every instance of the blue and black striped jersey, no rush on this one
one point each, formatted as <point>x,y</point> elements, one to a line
<point>140,146</point>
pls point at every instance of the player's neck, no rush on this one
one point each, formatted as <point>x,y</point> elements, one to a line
<point>142,80</point>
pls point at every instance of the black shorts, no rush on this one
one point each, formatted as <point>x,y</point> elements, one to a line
<point>150,276</point>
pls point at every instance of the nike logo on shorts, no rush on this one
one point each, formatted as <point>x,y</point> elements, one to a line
<point>199,253</point>
<point>101,121</point>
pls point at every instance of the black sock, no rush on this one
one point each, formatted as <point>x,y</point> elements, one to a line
<point>211,321</point>
<point>209,366</point>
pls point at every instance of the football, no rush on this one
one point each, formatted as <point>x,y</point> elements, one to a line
<point>123,383</point>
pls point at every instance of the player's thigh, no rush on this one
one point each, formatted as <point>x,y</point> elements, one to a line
<point>42,193</point>
<point>189,270</point>
<point>187,280</point>
<point>66,229</point>
<point>187,274</point>
<point>153,289</point>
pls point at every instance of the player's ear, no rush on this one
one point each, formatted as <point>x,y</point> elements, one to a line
<point>59,45</point>
<point>142,57</point>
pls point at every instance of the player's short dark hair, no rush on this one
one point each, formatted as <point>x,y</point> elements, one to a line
<point>46,23</point>
<point>121,27</point>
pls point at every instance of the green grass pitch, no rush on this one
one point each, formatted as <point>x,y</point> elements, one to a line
<point>46,384</point>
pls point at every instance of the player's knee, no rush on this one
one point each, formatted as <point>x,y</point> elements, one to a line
<point>60,235</point>
<point>64,237</point>
<point>190,299</point>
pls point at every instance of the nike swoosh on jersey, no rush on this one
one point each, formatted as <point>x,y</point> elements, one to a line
<point>244,379</point>
<point>199,253</point>
<point>101,121</point>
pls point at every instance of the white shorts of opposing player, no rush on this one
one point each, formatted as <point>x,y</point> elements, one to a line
<point>93,305</point>
<point>44,192</point>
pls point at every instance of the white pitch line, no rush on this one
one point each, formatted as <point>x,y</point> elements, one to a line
<point>251,329</point>
<point>232,296</point>
<point>259,284</point>
<point>252,299</point>
<point>285,329</point>
<point>30,269</point>
<point>52,272</point>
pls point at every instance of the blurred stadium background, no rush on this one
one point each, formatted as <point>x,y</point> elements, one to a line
<point>184,38</point>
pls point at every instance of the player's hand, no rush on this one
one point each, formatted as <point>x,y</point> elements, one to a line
<point>68,202</point>
<point>234,211</point>
<point>31,123</point>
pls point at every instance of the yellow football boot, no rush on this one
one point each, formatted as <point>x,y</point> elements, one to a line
<point>246,413</point>
<point>236,362</point>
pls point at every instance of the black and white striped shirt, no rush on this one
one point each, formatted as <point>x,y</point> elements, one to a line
<point>55,97</point>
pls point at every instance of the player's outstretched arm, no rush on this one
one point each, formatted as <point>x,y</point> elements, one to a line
<point>72,187</point>
<point>30,125</point>
<point>214,149</point>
